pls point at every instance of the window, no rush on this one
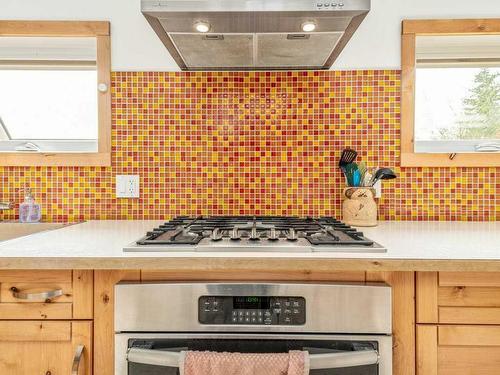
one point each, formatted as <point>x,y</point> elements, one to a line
<point>457,100</point>
<point>54,97</point>
<point>451,93</point>
<point>48,96</point>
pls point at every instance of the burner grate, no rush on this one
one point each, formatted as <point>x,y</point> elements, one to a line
<point>317,231</point>
<point>171,236</point>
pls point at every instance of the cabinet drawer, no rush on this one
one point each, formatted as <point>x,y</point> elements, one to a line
<point>60,294</point>
<point>239,275</point>
<point>44,347</point>
<point>458,297</point>
<point>458,350</point>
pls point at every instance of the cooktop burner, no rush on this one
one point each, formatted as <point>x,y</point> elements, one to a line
<point>246,233</point>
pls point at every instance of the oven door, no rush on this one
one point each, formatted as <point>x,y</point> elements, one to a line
<point>158,354</point>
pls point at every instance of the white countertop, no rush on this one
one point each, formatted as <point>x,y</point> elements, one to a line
<point>403,240</point>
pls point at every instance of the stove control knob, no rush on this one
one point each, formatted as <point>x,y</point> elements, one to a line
<point>273,236</point>
<point>235,235</point>
<point>292,235</point>
<point>254,236</point>
<point>216,235</point>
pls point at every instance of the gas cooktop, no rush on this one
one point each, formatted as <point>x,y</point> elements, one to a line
<point>267,233</point>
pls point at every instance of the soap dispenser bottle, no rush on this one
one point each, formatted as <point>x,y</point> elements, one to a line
<point>29,210</point>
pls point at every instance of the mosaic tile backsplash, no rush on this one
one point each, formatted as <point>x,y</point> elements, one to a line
<point>264,143</point>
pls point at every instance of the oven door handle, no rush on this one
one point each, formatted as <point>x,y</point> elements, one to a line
<point>316,361</point>
<point>343,359</point>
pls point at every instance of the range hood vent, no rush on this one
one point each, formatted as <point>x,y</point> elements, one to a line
<point>255,34</point>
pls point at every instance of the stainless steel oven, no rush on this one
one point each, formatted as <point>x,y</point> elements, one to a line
<point>346,328</point>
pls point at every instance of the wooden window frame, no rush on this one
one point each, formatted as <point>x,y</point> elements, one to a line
<point>410,30</point>
<point>101,31</point>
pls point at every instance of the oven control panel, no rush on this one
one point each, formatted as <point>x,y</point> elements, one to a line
<point>252,310</point>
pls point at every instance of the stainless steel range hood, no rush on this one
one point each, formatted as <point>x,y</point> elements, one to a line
<point>255,34</point>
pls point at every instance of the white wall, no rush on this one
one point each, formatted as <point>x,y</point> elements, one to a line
<point>136,47</point>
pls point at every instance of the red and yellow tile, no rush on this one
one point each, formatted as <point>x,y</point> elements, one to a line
<point>263,143</point>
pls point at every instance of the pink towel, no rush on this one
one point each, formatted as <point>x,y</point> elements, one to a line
<point>212,363</point>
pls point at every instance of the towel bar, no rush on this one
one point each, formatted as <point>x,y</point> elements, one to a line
<point>316,361</point>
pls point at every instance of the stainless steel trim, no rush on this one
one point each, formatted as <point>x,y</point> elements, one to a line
<point>175,6</point>
<point>77,359</point>
<point>44,296</point>
<point>301,245</point>
<point>330,308</point>
<point>316,361</point>
<point>384,341</point>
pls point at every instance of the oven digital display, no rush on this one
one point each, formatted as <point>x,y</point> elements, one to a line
<point>248,302</point>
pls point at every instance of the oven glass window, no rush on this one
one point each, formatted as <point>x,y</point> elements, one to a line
<point>252,346</point>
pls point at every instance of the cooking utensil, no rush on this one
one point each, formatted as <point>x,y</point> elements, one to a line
<point>383,174</point>
<point>348,156</point>
<point>362,170</point>
<point>356,178</point>
<point>367,179</point>
<point>349,171</point>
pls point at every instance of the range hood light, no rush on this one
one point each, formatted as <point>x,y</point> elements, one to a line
<point>202,27</point>
<point>308,26</point>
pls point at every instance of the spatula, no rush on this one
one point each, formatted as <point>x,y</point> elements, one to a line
<point>347,157</point>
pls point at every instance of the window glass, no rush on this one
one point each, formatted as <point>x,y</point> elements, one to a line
<point>457,102</point>
<point>49,104</point>
<point>48,94</point>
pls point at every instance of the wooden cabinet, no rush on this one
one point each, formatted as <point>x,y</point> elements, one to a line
<point>464,311</point>
<point>51,294</point>
<point>45,347</point>
<point>45,322</point>
<point>458,350</point>
<point>458,297</point>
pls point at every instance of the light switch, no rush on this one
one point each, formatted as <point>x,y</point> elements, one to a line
<point>127,186</point>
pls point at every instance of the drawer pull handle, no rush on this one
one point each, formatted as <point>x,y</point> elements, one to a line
<point>45,296</point>
<point>77,359</point>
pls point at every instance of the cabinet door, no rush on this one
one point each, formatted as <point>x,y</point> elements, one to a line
<point>45,348</point>
<point>458,350</point>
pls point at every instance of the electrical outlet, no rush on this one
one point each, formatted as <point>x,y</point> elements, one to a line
<point>378,189</point>
<point>127,186</point>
